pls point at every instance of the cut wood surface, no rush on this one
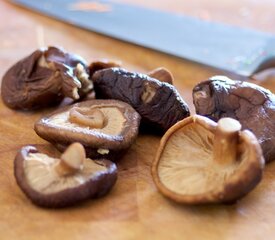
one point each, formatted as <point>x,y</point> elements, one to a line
<point>134,209</point>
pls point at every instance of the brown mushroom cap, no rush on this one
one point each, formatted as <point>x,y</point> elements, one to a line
<point>187,170</point>
<point>253,106</point>
<point>158,103</point>
<point>117,132</point>
<point>37,176</point>
<point>44,78</point>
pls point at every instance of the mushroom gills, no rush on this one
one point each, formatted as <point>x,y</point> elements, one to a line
<point>83,76</point>
<point>42,176</point>
<point>193,172</point>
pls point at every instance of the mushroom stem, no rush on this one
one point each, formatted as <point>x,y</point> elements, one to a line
<point>162,74</point>
<point>226,140</point>
<point>93,118</point>
<point>71,160</point>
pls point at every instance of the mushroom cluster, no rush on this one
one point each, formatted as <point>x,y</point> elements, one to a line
<point>198,160</point>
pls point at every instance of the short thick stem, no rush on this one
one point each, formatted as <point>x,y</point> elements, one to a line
<point>226,140</point>
<point>93,118</point>
<point>63,169</point>
<point>71,160</point>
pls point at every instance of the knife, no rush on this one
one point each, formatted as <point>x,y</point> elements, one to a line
<point>231,49</point>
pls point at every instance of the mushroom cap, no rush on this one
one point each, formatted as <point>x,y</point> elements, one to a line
<point>26,86</point>
<point>35,175</point>
<point>158,103</point>
<point>44,78</point>
<point>118,133</point>
<point>184,169</point>
<point>253,106</point>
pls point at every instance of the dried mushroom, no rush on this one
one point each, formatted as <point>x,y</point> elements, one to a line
<point>200,161</point>
<point>250,104</point>
<point>44,78</point>
<point>106,128</point>
<point>158,103</point>
<point>65,181</point>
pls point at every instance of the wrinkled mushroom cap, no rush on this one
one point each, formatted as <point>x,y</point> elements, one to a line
<point>119,130</point>
<point>184,169</point>
<point>44,78</point>
<point>158,103</point>
<point>36,174</point>
<point>253,106</point>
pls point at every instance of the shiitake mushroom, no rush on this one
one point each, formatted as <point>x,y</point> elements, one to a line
<point>44,78</point>
<point>253,106</point>
<point>200,161</point>
<point>61,182</point>
<point>158,103</point>
<point>106,128</point>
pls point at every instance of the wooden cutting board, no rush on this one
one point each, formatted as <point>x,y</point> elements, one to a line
<point>134,209</point>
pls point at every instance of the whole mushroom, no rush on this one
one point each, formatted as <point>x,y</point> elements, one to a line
<point>158,103</point>
<point>44,78</point>
<point>65,181</point>
<point>200,161</point>
<point>253,106</point>
<point>106,128</point>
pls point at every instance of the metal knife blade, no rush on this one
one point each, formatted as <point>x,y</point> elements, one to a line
<point>232,49</point>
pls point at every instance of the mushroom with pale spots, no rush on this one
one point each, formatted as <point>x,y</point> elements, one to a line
<point>158,103</point>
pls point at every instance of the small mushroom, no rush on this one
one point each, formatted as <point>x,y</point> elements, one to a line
<point>199,161</point>
<point>162,74</point>
<point>158,103</point>
<point>106,128</point>
<point>253,106</point>
<point>102,64</point>
<point>44,78</point>
<point>65,181</point>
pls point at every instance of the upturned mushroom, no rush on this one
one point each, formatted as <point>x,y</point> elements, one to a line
<point>44,78</point>
<point>159,103</point>
<point>106,128</point>
<point>65,181</point>
<point>252,105</point>
<point>200,161</point>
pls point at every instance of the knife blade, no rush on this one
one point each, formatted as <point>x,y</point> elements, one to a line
<point>232,49</point>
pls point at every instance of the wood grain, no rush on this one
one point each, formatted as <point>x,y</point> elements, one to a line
<point>134,209</point>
